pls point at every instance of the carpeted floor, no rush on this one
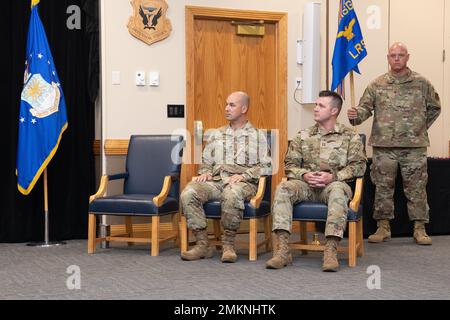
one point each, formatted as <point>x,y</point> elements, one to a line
<point>407,271</point>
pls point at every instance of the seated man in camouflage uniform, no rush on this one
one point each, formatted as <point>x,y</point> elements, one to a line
<point>318,163</point>
<point>230,172</point>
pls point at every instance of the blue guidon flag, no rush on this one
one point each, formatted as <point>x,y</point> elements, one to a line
<point>349,49</point>
<point>42,118</point>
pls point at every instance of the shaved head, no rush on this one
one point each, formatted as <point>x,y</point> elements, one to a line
<point>243,97</point>
<point>236,108</point>
<point>398,57</point>
<point>398,45</point>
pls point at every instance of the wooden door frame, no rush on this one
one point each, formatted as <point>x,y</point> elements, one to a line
<point>280,21</point>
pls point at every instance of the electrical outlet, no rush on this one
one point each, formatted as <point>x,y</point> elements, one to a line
<point>175,111</point>
<point>298,83</point>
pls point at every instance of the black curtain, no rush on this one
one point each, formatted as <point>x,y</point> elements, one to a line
<point>71,176</point>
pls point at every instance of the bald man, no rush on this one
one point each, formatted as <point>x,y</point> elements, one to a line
<point>234,158</point>
<point>404,105</point>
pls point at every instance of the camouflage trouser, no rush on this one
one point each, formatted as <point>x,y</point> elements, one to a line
<point>336,195</point>
<point>383,172</point>
<point>231,196</point>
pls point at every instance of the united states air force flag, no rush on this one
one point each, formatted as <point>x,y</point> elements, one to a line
<point>42,118</point>
<point>349,49</point>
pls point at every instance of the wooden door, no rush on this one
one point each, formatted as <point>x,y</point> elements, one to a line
<point>220,62</point>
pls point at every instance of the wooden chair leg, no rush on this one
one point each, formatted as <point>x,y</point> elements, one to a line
<point>359,228</point>
<point>268,233</point>
<point>217,232</point>
<point>352,243</point>
<point>92,233</point>
<point>155,236</point>
<point>175,228</point>
<point>184,234</point>
<point>129,229</point>
<point>304,235</point>
<point>253,239</point>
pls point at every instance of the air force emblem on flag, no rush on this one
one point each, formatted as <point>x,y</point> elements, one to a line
<point>348,31</point>
<point>42,116</point>
<point>42,96</point>
<point>349,48</point>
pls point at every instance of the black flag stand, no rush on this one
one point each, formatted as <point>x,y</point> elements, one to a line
<point>46,243</point>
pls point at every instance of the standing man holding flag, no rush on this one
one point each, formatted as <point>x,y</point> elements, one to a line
<point>404,105</point>
<point>42,118</point>
<point>349,48</point>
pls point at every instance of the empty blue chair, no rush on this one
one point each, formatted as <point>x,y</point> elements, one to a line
<point>150,189</point>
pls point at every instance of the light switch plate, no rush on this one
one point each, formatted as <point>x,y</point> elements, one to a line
<point>153,78</point>
<point>140,78</point>
<point>115,79</point>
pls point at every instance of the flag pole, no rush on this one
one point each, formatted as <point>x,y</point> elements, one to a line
<point>46,242</point>
<point>352,96</point>
<point>46,207</point>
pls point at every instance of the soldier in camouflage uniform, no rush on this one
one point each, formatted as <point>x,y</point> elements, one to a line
<point>404,105</point>
<point>234,158</point>
<point>318,163</point>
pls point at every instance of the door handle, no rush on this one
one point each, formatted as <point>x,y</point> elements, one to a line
<point>198,141</point>
<point>198,132</point>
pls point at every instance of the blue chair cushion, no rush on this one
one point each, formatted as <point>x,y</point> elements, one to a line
<point>132,204</point>
<point>213,209</point>
<point>316,211</point>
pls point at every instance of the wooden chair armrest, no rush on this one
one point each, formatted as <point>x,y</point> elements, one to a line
<point>354,204</point>
<point>256,200</point>
<point>101,189</point>
<point>160,198</point>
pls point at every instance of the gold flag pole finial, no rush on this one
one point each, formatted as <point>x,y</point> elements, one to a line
<point>34,3</point>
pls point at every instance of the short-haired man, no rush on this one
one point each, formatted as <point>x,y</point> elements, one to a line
<point>319,162</point>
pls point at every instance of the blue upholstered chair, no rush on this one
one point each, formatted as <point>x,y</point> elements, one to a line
<point>308,211</point>
<point>258,208</point>
<point>150,189</point>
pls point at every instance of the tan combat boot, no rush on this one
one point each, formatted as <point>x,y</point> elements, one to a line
<point>383,232</point>
<point>228,253</point>
<point>201,249</point>
<point>420,235</point>
<point>281,255</point>
<point>330,261</point>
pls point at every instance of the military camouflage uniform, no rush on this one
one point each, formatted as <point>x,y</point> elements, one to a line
<point>228,152</point>
<point>339,152</point>
<point>403,109</point>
